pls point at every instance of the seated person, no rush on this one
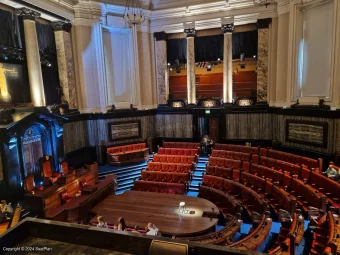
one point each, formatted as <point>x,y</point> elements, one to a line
<point>152,230</point>
<point>135,230</point>
<point>3,217</point>
<point>206,144</point>
<point>121,224</point>
<point>331,172</point>
<point>101,222</point>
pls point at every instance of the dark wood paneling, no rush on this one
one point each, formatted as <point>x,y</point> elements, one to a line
<point>245,84</point>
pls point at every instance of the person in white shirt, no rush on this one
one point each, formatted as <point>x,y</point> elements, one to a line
<point>153,230</point>
<point>101,222</point>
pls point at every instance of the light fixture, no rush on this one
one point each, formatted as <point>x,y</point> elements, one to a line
<point>169,64</point>
<point>170,69</point>
<point>49,64</point>
<point>264,2</point>
<point>133,14</point>
<point>218,59</point>
<point>254,56</point>
<point>209,67</point>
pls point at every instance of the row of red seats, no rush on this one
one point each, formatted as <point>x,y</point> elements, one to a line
<point>174,159</point>
<point>279,165</point>
<point>324,237</point>
<point>223,162</point>
<point>279,198</point>
<point>251,200</point>
<point>239,148</point>
<point>184,145</point>
<point>284,156</point>
<point>231,155</point>
<point>295,159</point>
<point>165,177</point>
<point>170,167</point>
<point>160,187</point>
<point>227,204</point>
<point>316,182</point>
<point>177,151</point>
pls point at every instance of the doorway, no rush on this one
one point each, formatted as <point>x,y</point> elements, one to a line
<point>208,126</point>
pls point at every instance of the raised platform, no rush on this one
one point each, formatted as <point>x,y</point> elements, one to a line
<point>140,208</point>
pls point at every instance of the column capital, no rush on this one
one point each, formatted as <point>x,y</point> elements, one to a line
<point>28,13</point>
<point>263,23</point>
<point>61,26</point>
<point>190,32</point>
<point>160,36</point>
<point>227,28</point>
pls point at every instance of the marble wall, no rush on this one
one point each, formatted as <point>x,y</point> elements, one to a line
<point>262,64</point>
<point>161,66</point>
<point>66,67</point>
<point>174,125</point>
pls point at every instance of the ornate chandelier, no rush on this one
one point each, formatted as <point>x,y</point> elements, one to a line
<point>133,14</point>
<point>264,2</point>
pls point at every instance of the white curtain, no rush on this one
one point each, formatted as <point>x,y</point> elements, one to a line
<point>118,62</point>
<point>316,53</point>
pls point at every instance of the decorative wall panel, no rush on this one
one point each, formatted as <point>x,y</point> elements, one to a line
<point>174,125</point>
<point>249,126</point>
<point>91,132</point>
<point>307,132</point>
<point>279,125</point>
<point>124,130</point>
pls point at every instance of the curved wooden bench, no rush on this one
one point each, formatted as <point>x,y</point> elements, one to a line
<point>165,176</point>
<point>160,187</point>
<point>170,167</point>
<point>223,162</point>
<point>257,236</point>
<point>239,148</point>
<point>323,236</point>
<point>222,236</point>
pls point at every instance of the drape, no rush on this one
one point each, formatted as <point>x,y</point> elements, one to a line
<point>210,48</point>
<point>47,48</point>
<point>177,49</point>
<point>10,30</point>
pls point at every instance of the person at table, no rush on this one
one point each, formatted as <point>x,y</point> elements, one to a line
<point>152,229</point>
<point>136,230</point>
<point>121,224</point>
<point>101,222</point>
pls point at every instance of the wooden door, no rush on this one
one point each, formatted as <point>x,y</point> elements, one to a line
<point>213,129</point>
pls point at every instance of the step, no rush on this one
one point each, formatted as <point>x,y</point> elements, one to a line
<point>131,177</point>
<point>193,189</point>
<point>123,169</point>
<point>120,172</point>
<point>197,179</point>
<point>125,187</point>
<point>132,173</point>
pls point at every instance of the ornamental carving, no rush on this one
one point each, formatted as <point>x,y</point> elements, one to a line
<point>227,28</point>
<point>28,13</point>
<point>61,26</point>
<point>190,32</point>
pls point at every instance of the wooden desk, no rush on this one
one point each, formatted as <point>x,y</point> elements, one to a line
<point>138,207</point>
<point>49,197</point>
<point>78,208</point>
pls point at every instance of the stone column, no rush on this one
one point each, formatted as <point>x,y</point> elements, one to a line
<point>191,77</point>
<point>273,34</point>
<point>228,62</point>
<point>161,67</point>
<point>32,56</point>
<point>262,59</point>
<point>65,62</point>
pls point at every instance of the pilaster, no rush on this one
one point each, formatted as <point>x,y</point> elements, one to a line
<point>191,77</point>
<point>161,67</point>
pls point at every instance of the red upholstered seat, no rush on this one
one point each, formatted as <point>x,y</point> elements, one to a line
<point>218,182</point>
<point>162,187</point>
<point>208,181</point>
<point>220,162</point>
<point>161,150</point>
<point>167,151</point>
<point>215,153</point>
<point>65,198</point>
<point>156,158</point>
<point>174,151</point>
<point>236,175</point>
<point>219,171</point>
<point>210,170</point>
<point>180,151</point>
<point>246,166</point>
<point>158,166</point>
<point>213,161</point>
<point>49,176</point>
<point>160,177</point>
<point>176,188</point>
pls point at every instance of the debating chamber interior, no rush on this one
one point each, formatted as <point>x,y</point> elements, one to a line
<point>161,127</point>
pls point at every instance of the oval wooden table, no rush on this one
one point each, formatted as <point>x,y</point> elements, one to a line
<point>138,207</point>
